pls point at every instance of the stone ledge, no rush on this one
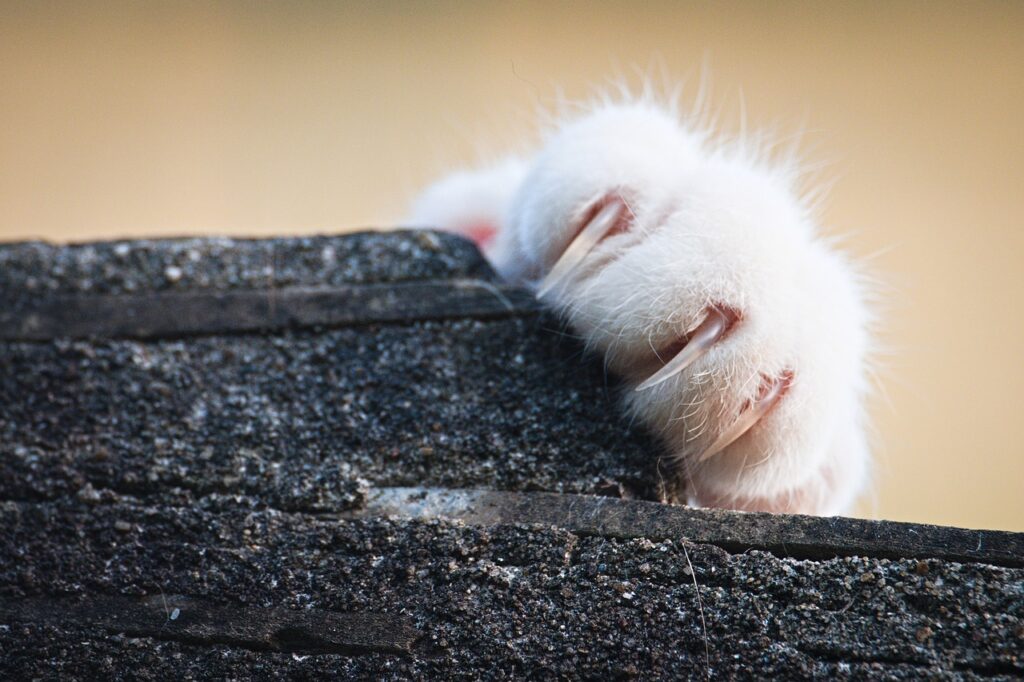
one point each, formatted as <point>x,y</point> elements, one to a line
<point>295,481</point>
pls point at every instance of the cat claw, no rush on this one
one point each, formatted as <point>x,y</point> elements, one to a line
<point>750,416</point>
<point>707,333</point>
<point>585,241</point>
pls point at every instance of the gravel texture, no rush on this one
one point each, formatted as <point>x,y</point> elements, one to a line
<point>496,602</point>
<point>34,269</point>
<point>212,472</point>
<point>300,421</point>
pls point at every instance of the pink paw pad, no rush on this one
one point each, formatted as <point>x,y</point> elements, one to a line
<point>481,233</point>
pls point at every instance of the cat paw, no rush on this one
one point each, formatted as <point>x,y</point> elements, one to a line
<point>698,274</point>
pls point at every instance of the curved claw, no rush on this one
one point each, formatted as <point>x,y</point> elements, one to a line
<point>703,337</point>
<point>747,418</point>
<point>584,242</point>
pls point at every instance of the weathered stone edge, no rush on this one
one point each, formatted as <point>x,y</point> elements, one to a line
<point>787,535</point>
<point>176,314</point>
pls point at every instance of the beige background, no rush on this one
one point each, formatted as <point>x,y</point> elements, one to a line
<point>253,118</point>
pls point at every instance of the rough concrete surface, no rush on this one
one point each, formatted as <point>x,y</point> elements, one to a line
<point>197,507</point>
<point>500,601</point>
<point>32,269</point>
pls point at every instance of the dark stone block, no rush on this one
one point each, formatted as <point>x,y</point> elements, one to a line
<point>261,459</point>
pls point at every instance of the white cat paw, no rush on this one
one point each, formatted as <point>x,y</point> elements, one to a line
<point>698,274</point>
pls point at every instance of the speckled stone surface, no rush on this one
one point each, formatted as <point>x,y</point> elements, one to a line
<point>215,467</point>
<point>497,602</point>
<point>459,404</point>
<point>33,269</point>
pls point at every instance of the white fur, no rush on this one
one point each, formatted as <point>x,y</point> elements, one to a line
<point>466,199</point>
<point>711,225</point>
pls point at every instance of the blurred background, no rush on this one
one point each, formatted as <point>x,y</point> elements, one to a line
<point>252,118</point>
